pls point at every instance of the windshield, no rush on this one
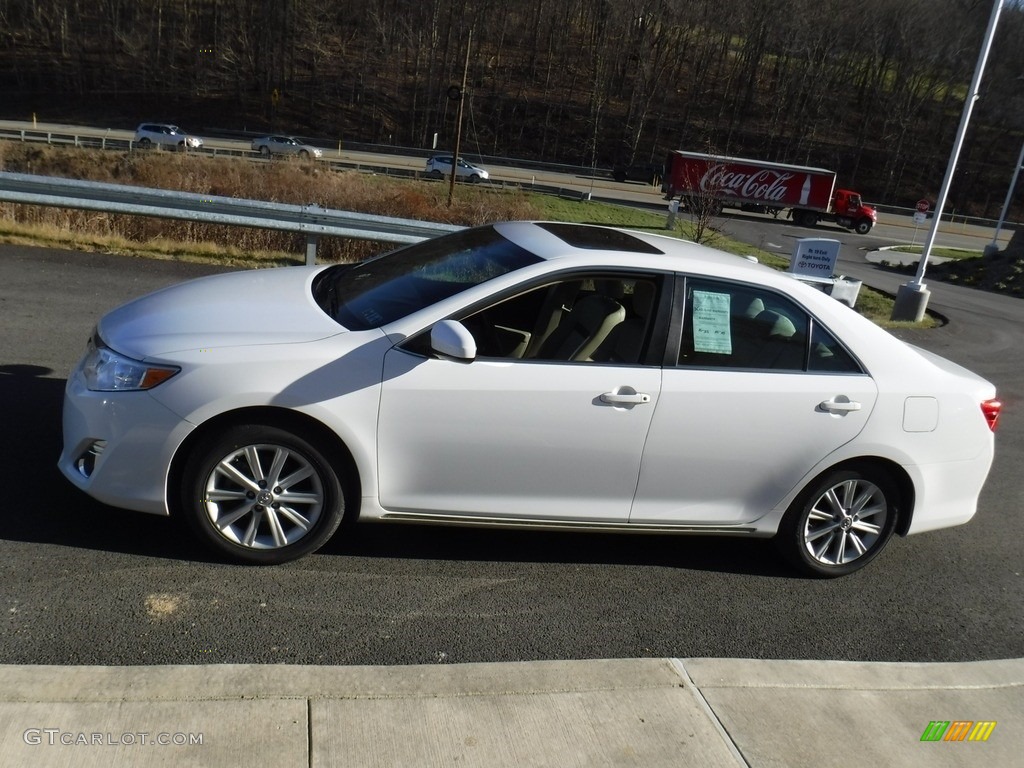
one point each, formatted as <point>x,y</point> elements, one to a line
<point>390,287</point>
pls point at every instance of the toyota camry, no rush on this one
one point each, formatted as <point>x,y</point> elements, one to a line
<point>531,375</point>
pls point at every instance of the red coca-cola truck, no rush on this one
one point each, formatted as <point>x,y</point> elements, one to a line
<point>808,194</point>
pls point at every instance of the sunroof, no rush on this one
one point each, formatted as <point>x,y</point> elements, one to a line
<point>599,238</point>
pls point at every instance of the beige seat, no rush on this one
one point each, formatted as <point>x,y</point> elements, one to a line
<point>624,343</point>
<point>581,330</point>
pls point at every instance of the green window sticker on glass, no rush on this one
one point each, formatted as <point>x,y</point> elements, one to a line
<point>711,330</point>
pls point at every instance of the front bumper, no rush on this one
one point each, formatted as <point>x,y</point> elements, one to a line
<point>118,446</point>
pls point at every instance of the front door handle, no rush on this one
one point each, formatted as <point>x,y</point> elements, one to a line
<point>840,405</point>
<point>616,398</point>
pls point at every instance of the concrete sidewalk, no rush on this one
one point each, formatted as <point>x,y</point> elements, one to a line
<point>634,712</point>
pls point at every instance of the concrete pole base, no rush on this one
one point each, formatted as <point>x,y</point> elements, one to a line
<point>911,302</point>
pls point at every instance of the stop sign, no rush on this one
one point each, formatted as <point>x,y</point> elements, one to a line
<point>923,206</point>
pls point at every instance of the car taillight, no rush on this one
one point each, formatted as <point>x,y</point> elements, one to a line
<point>991,409</point>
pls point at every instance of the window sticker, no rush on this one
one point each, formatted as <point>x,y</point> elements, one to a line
<point>711,330</point>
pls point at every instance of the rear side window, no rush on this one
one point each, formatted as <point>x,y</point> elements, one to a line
<point>734,325</point>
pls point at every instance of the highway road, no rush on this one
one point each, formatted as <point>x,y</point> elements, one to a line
<point>891,228</point>
<point>87,584</point>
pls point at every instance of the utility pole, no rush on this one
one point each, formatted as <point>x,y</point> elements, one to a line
<point>912,297</point>
<point>458,127</point>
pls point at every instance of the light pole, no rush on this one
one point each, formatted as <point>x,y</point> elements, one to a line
<point>912,297</point>
<point>994,245</point>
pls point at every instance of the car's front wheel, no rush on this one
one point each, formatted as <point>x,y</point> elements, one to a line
<point>841,522</point>
<point>261,494</point>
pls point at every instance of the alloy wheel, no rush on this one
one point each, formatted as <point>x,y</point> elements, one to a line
<point>263,496</point>
<point>845,522</point>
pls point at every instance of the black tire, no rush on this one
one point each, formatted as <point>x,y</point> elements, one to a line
<point>303,154</point>
<point>261,495</point>
<point>806,219</point>
<point>182,147</point>
<point>265,151</point>
<point>841,522</point>
<point>145,144</point>
<point>474,179</point>
<point>436,174</point>
<point>863,227</point>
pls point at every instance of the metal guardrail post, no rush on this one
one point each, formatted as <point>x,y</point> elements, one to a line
<point>311,243</point>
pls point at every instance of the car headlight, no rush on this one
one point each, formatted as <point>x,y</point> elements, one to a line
<point>107,371</point>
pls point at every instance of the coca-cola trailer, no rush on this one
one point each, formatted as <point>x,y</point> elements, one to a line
<point>712,182</point>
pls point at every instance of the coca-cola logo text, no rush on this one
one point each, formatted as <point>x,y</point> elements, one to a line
<point>764,184</point>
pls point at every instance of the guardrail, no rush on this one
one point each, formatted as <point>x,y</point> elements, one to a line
<point>310,220</point>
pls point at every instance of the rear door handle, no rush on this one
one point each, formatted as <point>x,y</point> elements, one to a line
<point>843,405</point>
<point>614,398</point>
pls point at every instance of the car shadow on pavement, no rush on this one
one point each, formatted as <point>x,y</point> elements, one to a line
<point>55,512</point>
<point>723,554</point>
<point>46,507</point>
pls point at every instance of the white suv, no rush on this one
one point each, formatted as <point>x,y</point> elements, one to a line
<point>165,135</point>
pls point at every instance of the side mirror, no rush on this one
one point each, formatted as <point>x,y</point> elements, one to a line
<point>451,339</point>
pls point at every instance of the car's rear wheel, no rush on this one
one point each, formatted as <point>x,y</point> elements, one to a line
<point>265,150</point>
<point>841,522</point>
<point>436,174</point>
<point>262,495</point>
<point>145,144</point>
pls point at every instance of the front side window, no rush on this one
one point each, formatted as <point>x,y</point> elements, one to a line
<point>735,325</point>
<point>397,284</point>
<point>598,318</point>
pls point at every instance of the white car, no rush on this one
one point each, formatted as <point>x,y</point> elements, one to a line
<point>149,135</point>
<point>441,167</point>
<point>533,375</point>
<point>284,145</point>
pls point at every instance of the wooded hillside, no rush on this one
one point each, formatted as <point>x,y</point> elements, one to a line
<point>871,88</point>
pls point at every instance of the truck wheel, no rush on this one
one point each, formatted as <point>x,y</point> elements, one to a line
<point>863,227</point>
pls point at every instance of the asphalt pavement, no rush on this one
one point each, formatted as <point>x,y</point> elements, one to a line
<point>615,712</point>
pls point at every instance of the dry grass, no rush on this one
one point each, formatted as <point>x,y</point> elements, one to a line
<point>295,183</point>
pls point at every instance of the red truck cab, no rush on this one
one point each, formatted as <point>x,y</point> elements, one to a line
<point>850,211</point>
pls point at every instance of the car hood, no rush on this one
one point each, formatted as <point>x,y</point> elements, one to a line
<point>257,307</point>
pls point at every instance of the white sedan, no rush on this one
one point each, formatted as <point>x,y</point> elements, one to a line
<point>441,167</point>
<point>533,375</point>
<point>284,145</point>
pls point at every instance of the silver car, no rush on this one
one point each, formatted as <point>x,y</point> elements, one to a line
<point>441,166</point>
<point>149,135</point>
<point>284,145</point>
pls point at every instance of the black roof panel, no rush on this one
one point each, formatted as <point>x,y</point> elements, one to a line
<point>598,238</point>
